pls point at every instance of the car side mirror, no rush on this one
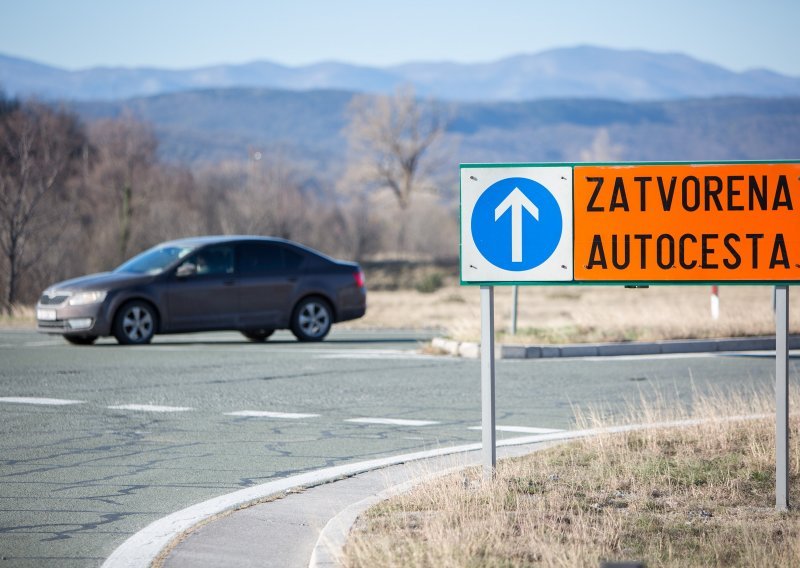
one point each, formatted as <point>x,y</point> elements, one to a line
<point>186,269</point>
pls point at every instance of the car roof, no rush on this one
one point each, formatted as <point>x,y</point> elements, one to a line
<point>195,242</point>
<point>216,239</point>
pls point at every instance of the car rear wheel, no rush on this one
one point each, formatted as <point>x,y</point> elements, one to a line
<point>312,319</point>
<point>135,323</point>
<point>81,339</point>
<point>258,335</point>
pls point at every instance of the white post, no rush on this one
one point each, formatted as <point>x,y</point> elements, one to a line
<point>781,398</point>
<point>715,302</point>
<point>489,435</point>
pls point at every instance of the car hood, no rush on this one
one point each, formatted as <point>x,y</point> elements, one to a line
<point>104,281</point>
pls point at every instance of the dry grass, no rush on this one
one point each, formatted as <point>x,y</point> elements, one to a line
<point>21,317</point>
<point>701,495</point>
<point>563,314</point>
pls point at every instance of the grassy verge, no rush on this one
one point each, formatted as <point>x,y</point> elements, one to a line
<point>701,495</point>
<point>551,314</point>
<point>20,317</point>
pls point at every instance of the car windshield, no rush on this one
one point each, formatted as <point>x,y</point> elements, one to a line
<point>155,260</point>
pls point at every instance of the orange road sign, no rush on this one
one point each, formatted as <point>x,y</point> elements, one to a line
<point>687,222</point>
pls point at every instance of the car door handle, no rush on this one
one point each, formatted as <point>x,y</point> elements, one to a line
<point>229,282</point>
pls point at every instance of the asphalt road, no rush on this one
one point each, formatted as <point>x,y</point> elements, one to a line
<point>97,442</point>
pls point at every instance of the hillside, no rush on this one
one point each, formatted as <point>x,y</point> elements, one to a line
<point>212,125</point>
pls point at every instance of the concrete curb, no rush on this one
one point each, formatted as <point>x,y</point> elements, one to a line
<point>471,350</point>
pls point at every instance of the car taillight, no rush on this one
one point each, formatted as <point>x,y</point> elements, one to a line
<point>359,276</point>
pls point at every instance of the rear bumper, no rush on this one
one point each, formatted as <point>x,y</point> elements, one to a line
<point>352,304</point>
<point>352,313</point>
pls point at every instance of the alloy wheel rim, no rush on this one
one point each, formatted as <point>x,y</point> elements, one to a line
<point>314,319</point>
<point>137,324</point>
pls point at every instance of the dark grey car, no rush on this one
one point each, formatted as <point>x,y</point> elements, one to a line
<point>251,284</point>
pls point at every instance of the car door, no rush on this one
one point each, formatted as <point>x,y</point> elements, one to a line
<point>202,293</point>
<point>268,277</point>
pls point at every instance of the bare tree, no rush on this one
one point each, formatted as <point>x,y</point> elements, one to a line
<point>269,199</point>
<point>126,153</point>
<point>602,149</point>
<point>168,207</point>
<point>215,186</point>
<point>356,228</point>
<point>389,139</point>
<point>40,151</point>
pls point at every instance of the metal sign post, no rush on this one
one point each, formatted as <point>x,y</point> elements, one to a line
<point>489,437</point>
<point>781,398</point>
<point>514,302</point>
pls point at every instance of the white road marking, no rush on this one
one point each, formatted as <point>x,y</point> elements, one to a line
<point>521,429</point>
<point>385,354</point>
<point>30,344</point>
<point>42,401</point>
<point>370,356</point>
<point>150,408</point>
<point>266,414</point>
<point>392,421</point>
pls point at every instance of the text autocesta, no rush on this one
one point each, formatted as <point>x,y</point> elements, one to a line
<point>687,195</point>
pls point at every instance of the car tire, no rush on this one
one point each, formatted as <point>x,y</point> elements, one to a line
<point>312,319</point>
<point>258,335</point>
<point>135,323</point>
<point>81,339</point>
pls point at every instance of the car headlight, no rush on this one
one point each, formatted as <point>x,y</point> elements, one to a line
<point>84,298</point>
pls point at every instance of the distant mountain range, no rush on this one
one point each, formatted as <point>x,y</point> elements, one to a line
<point>577,104</point>
<point>584,72</point>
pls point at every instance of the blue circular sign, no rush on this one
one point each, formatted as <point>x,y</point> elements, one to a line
<point>516,224</point>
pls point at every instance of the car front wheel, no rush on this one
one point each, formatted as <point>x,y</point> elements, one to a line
<point>135,323</point>
<point>312,319</point>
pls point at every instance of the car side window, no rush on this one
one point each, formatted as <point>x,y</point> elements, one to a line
<point>266,258</point>
<point>214,261</point>
<point>293,259</point>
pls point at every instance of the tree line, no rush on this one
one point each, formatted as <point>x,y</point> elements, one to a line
<point>78,197</point>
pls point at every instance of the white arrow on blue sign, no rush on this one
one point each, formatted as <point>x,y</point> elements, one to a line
<point>517,201</point>
<point>516,224</point>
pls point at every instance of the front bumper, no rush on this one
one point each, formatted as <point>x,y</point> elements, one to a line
<point>72,320</point>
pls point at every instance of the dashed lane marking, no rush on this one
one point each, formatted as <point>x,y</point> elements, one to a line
<point>150,408</point>
<point>30,344</point>
<point>521,429</point>
<point>267,414</point>
<point>385,354</point>
<point>41,401</point>
<point>392,421</point>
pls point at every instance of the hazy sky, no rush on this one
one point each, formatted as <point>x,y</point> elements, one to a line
<point>76,34</point>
